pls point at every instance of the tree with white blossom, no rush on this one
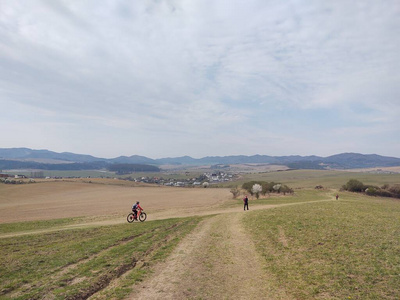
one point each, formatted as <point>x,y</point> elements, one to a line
<point>256,189</point>
<point>277,188</point>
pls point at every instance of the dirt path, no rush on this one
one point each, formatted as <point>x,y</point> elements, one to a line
<point>157,215</point>
<point>216,261</point>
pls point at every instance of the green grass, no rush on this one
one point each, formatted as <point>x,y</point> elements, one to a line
<point>304,195</point>
<point>312,178</point>
<point>346,249</point>
<point>38,225</point>
<point>77,263</point>
<point>300,195</point>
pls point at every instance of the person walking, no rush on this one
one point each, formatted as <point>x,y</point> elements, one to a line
<point>337,196</point>
<point>245,203</point>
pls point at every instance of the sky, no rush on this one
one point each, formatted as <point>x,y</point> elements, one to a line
<point>200,77</point>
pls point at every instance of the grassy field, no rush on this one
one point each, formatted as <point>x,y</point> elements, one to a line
<point>38,225</point>
<point>312,178</point>
<point>313,247</point>
<point>300,195</point>
<point>293,178</point>
<point>346,249</point>
<point>75,264</point>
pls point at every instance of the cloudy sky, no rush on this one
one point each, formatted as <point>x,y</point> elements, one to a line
<point>200,78</point>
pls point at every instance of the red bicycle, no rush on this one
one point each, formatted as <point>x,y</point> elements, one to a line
<point>141,216</point>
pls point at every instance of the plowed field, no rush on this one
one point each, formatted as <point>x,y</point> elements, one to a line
<point>53,200</point>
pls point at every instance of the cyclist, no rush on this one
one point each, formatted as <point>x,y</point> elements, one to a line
<point>135,208</point>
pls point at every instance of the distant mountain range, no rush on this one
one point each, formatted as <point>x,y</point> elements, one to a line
<point>22,158</point>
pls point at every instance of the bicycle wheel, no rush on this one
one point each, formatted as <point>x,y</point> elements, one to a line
<point>130,217</point>
<point>142,217</point>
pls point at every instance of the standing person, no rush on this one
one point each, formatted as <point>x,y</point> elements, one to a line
<point>135,207</point>
<point>337,196</point>
<point>246,203</point>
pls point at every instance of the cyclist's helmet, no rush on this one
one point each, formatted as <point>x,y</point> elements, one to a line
<point>137,202</point>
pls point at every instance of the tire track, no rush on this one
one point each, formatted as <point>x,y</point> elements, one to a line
<point>66,274</point>
<point>216,261</point>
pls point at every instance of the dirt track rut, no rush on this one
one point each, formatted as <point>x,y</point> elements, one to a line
<point>216,261</point>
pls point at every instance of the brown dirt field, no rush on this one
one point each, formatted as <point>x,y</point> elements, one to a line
<point>59,199</point>
<point>369,170</point>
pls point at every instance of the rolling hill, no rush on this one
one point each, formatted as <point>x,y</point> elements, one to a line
<point>17,158</point>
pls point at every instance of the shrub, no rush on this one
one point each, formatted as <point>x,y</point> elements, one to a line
<point>395,190</point>
<point>353,185</point>
<point>268,187</point>
<point>385,186</point>
<point>285,189</point>
<point>371,191</point>
<point>384,193</point>
<point>247,186</point>
<point>235,192</point>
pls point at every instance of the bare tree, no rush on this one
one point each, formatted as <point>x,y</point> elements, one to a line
<point>235,192</point>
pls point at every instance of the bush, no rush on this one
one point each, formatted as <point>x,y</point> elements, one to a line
<point>371,191</point>
<point>268,187</point>
<point>235,192</point>
<point>285,189</point>
<point>395,190</point>
<point>353,185</point>
<point>384,193</point>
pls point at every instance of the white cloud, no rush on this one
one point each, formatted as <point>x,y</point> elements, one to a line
<point>173,70</point>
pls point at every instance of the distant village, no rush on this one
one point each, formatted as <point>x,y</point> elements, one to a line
<point>204,179</point>
<point>13,179</point>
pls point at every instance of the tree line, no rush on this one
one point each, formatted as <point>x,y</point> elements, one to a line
<point>13,164</point>
<point>354,185</point>
<point>121,169</point>
<point>257,188</point>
